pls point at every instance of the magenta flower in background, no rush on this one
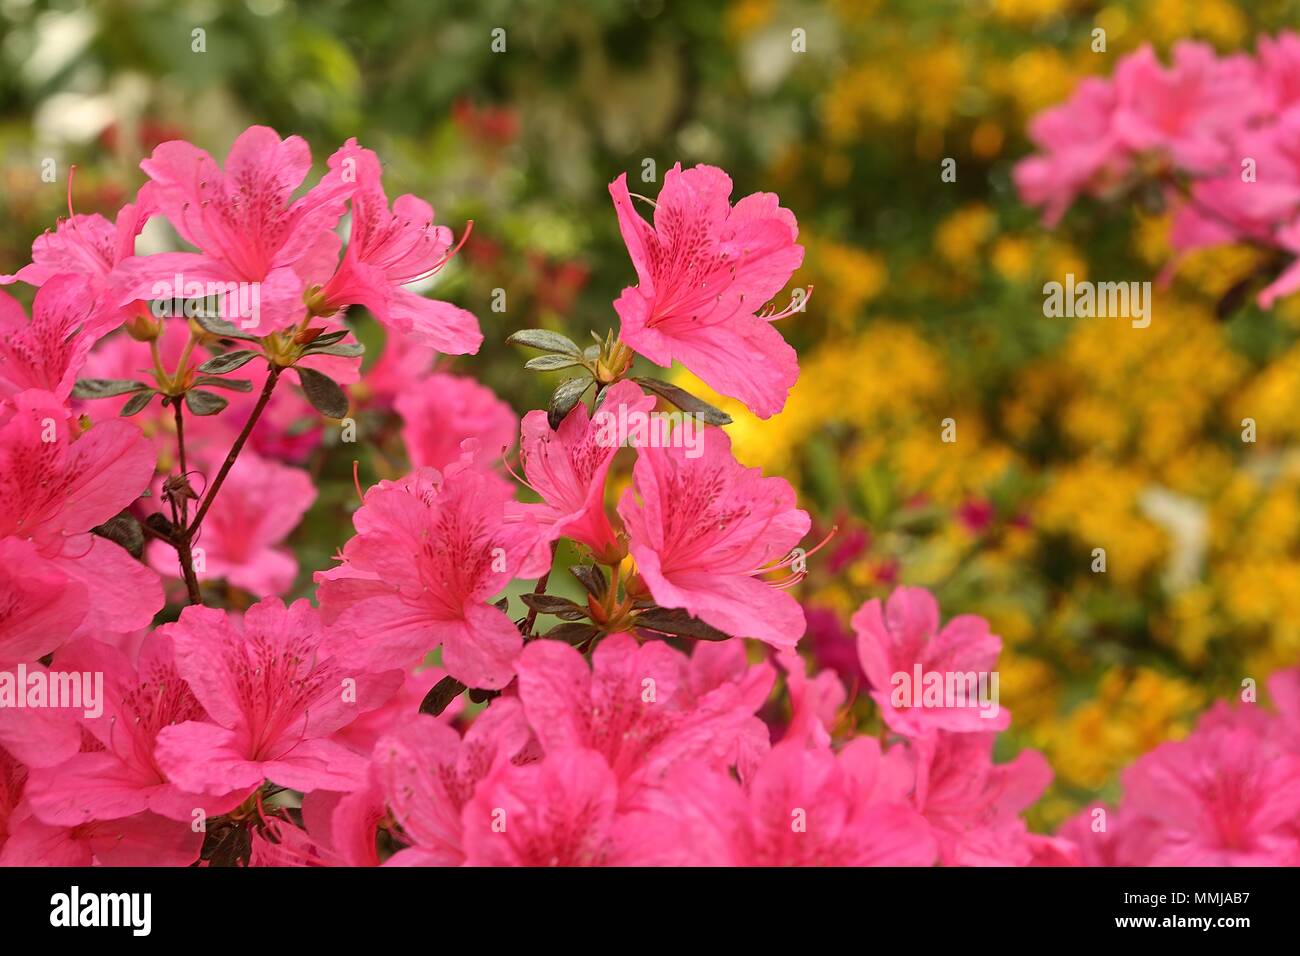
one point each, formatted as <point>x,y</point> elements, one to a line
<point>440,411</point>
<point>902,639</point>
<point>244,532</point>
<point>704,270</point>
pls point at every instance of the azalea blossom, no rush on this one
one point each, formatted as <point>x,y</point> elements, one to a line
<point>429,552</point>
<point>273,694</point>
<point>568,466</point>
<point>703,528</point>
<point>387,250</point>
<point>705,269</point>
<point>121,777</point>
<point>439,412</point>
<point>901,647</point>
<point>244,222</point>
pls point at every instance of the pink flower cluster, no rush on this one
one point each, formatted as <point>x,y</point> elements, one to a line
<point>1228,795</point>
<point>1218,136</point>
<point>139,725</point>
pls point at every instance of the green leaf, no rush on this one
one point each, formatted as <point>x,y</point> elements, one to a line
<point>441,695</point>
<point>228,361</point>
<point>545,340</point>
<point>323,392</point>
<point>685,401</point>
<point>572,633</point>
<point>327,338</point>
<point>678,622</point>
<point>346,349</point>
<point>591,578</point>
<point>234,384</point>
<point>204,403</point>
<point>105,387</point>
<point>547,363</point>
<point>220,327</point>
<point>565,397</point>
<point>553,604</point>
<point>137,403</point>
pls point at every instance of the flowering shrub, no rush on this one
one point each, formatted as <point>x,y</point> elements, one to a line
<point>553,662</point>
<point>1215,138</point>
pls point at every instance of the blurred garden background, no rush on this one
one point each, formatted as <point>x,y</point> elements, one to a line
<point>1072,434</point>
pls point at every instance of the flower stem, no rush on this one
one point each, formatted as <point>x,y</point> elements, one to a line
<point>271,378</point>
<point>183,551</point>
<point>539,589</point>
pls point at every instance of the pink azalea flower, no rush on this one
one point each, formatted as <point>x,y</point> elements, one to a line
<point>52,492</point>
<point>1079,150</point>
<point>367,730</point>
<point>806,806</point>
<point>704,269</point>
<point>702,527</point>
<point>140,840</point>
<point>427,556</point>
<point>815,703</point>
<point>428,774</point>
<point>41,607</point>
<point>39,736</point>
<point>120,777</point>
<point>1222,797</point>
<point>243,534</point>
<point>634,708</point>
<point>338,829</point>
<point>1279,69</point>
<point>13,777</point>
<point>1105,839</point>
<point>88,249</point>
<point>562,811</point>
<point>46,353</point>
<point>243,220</point>
<point>1227,209</point>
<point>1288,282</point>
<point>387,251</point>
<point>441,411</point>
<point>567,467</point>
<point>401,366</point>
<point>972,804</point>
<point>903,651</point>
<point>1187,111</point>
<point>274,694</point>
